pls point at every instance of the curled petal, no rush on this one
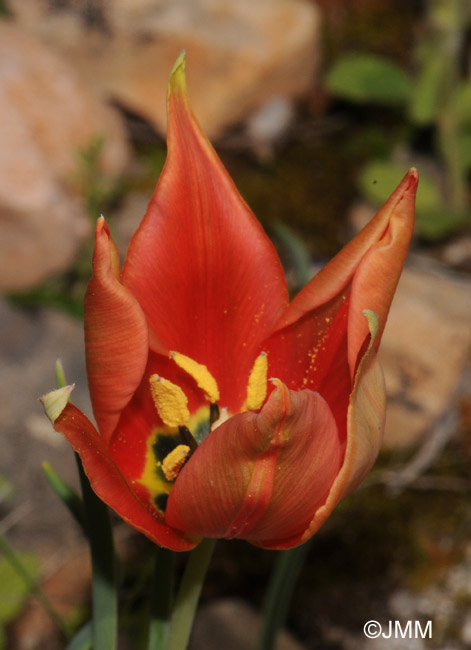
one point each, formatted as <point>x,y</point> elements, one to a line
<point>323,325</point>
<point>378,273</point>
<point>365,425</point>
<point>116,338</point>
<point>203,270</point>
<point>110,485</point>
<point>260,476</point>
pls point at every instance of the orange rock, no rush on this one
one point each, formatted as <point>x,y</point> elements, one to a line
<point>241,54</point>
<point>423,351</point>
<point>48,115</point>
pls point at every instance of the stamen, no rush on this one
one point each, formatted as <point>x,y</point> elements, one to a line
<point>187,438</point>
<point>170,401</point>
<point>257,386</point>
<point>213,413</point>
<point>200,374</point>
<point>172,463</point>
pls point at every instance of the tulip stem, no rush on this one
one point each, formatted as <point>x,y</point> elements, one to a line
<point>279,593</point>
<point>161,598</point>
<point>104,581</point>
<point>188,595</point>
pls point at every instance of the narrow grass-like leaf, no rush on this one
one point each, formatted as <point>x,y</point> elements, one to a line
<point>66,494</point>
<point>83,639</point>
<point>279,593</point>
<point>161,598</point>
<point>61,381</point>
<point>104,624</point>
<point>31,583</point>
<point>298,252</point>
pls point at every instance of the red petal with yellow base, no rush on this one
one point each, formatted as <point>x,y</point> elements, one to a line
<point>204,272</point>
<point>110,485</point>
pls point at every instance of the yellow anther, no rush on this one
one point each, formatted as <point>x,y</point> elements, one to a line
<point>170,401</point>
<point>257,387</point>
<point>173,462</point>
<point>200,374</point>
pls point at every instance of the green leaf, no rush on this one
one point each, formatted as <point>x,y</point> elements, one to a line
<point>369,78</point>
<point>297,250</point>
<point>379,179</point>
<point>437,224</point>
<point>104,573</point>
<point>427,95</point>
<point>67,495</point>
<point>83,639</point>
<point>434,219</point>
<point>188,595</point>
<point>61,381</point>
<point>462,103</point>
<point>7,489</point>
<point>161,598</point>
<point>13,589</point>
<point>465,144</point>
<point>279,594</point>
<point>29,579</point>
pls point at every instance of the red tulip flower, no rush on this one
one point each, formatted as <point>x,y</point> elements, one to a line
<point>224,410</point>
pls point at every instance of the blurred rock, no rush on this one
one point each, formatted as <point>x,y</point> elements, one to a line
<point>48,116</point>
<point>241,54</point>
<point>127,218</point>
<point>232,625</point>
<point>457,253</point>
<point>30,343</point>
<point>424,349</point>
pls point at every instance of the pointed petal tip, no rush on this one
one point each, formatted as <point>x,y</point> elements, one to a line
<point>105,249</point>
<point>410,181</point>
<point>177,79</point>
<point>55,401</point>
<point>179,63</point>
<point>101,229</point>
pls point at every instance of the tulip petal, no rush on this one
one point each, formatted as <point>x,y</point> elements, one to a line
<point>378,273</point>
<point>363,275</point>
<point>110,485</point>
<point>365,426</point>
<point>116,336</point>
<point>260,476</point>
<point>204,272</point>
<point>312,354</point>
